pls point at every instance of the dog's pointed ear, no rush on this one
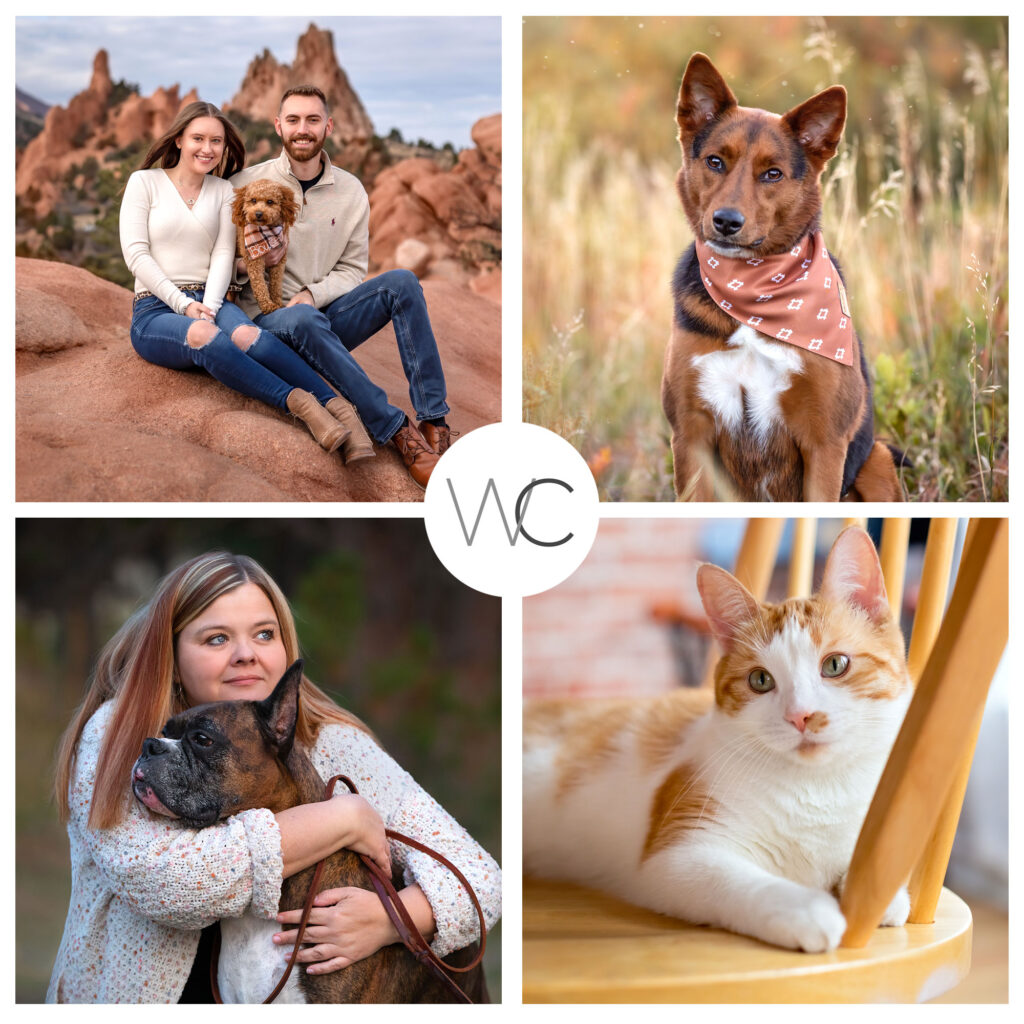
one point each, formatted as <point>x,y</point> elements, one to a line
<point>703,97</point>
<point>818,123</point>
<point>279,713</point>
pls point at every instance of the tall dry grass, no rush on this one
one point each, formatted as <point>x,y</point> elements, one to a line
<point>915,205</point>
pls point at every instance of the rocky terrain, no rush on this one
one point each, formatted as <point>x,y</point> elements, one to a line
<point>97,423</point>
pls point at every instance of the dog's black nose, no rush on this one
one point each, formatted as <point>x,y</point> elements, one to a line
<point>151,747</point>
<point>728,221</point>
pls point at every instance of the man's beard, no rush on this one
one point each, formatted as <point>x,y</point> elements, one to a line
<point>305,155</point>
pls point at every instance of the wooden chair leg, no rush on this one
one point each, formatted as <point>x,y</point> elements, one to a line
<point>754,563</point>
<point>936,733</point>
<point>925,885</point>
<point>801,561</point>
<point>938,559</point>
<point>892,553</point>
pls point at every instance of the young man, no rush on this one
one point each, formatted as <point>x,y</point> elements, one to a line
<point>330,310</point>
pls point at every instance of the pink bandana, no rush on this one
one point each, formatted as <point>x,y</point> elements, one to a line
<point>259,240</point>
<point>796,297</point>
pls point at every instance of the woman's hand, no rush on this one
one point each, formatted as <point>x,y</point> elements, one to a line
<point>350,924</point>
<point>346,925</point>
<point>197,311</point>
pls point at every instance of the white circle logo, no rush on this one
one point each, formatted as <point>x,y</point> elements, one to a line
<point>511,509</point>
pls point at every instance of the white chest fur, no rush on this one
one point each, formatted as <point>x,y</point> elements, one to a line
<point>250,964</point>
<point>744,382</point>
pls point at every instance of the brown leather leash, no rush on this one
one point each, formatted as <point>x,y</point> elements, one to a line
<point>410,935</point>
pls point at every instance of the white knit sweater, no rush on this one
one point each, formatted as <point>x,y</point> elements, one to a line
<point>166,244</point>
<point>142,891</point>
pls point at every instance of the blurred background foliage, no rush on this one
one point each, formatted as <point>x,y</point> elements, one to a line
<point>382,625</point>
<point>915,206</point>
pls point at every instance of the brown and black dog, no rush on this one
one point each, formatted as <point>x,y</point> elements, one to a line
<point>216,760</point>
<point>754,418</point>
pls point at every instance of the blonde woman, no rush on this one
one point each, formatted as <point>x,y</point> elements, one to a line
<point>145,887</point>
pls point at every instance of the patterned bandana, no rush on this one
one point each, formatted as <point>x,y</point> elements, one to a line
<point>796,297</point>
<point>259,239</point>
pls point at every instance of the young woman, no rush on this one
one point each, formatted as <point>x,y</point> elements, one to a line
<point>178,240</point>
<point>144,887</point>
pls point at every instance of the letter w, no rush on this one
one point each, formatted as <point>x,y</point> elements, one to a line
<point>513,536</point>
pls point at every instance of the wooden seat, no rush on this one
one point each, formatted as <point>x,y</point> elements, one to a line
<point>583,946</point>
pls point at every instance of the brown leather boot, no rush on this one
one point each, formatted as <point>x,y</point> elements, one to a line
<point>439,438</point>
<point>419,458</point>
<point>330,434</point>
<point>359,444</point>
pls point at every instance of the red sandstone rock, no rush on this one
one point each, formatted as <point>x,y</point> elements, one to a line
<point>97,423</point>
<point>457,214</point>
<point>315,64</point>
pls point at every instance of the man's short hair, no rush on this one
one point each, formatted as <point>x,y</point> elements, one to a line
<point>305,90</point>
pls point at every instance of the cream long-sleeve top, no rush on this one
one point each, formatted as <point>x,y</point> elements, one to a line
<point>167,244</point>
<point>329,243</point>
<point>142,891</point>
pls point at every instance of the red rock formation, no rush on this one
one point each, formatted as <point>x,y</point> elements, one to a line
<point>315,64</point>
<point>455,214</point>
<point>95,422</point>
<point>89,126</point>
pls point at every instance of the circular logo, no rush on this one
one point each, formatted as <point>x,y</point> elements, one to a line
<point>511,509</point>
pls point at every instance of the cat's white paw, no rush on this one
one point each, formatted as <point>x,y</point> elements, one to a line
<point>814,923</point>
<point>898,911</point>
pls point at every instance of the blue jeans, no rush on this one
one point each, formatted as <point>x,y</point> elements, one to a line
<point>325,339</point>
<point>267,369</point>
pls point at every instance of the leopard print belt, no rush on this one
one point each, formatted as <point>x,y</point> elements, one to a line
<point>194,287</point>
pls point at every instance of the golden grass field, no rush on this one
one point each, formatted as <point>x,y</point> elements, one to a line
<point>915,208</point>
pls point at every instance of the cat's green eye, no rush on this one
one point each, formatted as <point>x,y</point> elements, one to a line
<point>760,681</point>
<point>834,665</point>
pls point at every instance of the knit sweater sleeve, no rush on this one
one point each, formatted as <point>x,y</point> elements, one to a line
<point>222,259</point>
<point>133,224</point>
<point>182,877</point>
<point>407,808</point>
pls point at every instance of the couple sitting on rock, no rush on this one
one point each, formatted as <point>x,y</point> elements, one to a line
<point>178,240</point>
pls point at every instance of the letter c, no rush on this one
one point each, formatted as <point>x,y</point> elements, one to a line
<point>519,505</point>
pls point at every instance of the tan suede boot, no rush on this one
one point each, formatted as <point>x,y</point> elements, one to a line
<point>330,434</point>
<point>359,444</point>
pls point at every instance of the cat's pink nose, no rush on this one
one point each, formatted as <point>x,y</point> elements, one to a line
<point>799,719</point>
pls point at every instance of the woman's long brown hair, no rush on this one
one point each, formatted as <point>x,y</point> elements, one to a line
<point>136,670</point>
<point>165,153</point>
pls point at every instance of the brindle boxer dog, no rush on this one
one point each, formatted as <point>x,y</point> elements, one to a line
<point>219,759</point>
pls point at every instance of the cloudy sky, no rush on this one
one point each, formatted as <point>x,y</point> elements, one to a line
<point>431,78</point>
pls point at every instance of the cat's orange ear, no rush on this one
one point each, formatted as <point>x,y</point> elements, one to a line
<point>853,574</point>
<point>728,604</point>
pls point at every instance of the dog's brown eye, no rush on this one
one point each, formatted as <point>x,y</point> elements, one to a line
<point>200,739</point>
<point>772,174</point>
<point>716,163</point>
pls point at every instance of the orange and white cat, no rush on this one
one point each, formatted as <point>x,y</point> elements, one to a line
<point>738,808</point>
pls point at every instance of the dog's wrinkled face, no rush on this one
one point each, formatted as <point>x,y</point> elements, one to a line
<point>266,203</point>
<point>216,760</point>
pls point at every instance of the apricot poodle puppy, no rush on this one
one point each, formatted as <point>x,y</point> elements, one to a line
<point>262,212</point>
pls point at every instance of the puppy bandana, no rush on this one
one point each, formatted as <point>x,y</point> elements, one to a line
<point>260,239</point>
<point>796,296</point>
